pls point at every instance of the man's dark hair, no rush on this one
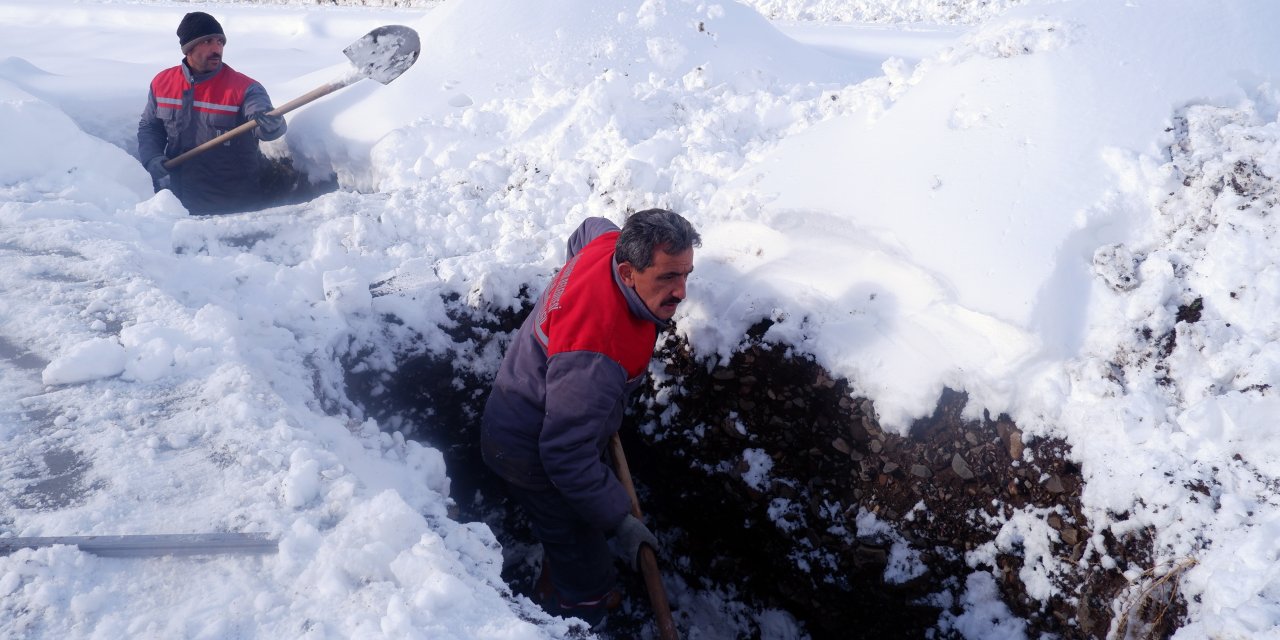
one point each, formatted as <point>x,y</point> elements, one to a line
<point>647,230</point>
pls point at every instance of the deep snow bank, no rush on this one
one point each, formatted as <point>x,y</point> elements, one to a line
<point>521,59</point>
<point>46,153</point>
<point>1003,160</point>
<point>171,375</point>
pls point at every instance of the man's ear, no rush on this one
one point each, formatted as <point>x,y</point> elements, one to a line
<point>627,273</point>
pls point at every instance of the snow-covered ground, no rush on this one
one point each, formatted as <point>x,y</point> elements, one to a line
<point>1064,210</point>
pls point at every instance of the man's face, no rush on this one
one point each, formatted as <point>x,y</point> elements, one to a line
<point>206,55</point>
<point>661,285</point>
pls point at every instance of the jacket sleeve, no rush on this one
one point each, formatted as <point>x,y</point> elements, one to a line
<point>589,230</point>
<point>257,101</point>
<point>152,138</point>
<point>584,404</point>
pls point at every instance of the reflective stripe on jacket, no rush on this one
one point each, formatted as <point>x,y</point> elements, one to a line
<point>562,388</point>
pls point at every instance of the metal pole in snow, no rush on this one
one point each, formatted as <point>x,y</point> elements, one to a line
<point>152,545</point>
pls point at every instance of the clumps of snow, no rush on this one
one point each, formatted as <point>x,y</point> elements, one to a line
<point>1008,38</point>
<point>788,516</point>
<point>302,484</point>
<point>1117,267</point>
<point>723,604</point>
<point>982,612</point>
<point>89,360</point>
<point>347,290</point>
<point>564,66</point>
<point>1171,417</point>
<point>758,466</point>
<point>1026,534</point>
<point>412,577</point>
<point>778,624</point>
<point>904,563</point>
<point>884,11</point>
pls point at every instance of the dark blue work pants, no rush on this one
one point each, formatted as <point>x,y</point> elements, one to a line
<point>576,554</point>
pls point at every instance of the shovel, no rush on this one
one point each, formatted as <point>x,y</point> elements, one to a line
<point>382,55</point>
<point>648,561</point>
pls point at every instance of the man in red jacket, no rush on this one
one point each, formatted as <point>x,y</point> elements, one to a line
<point>561,391</point>
<point>197,101</point>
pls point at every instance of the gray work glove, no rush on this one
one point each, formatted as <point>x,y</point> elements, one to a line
<point>159,174</point>
<point>155,167</point>
<point>629,536</point>
<point>270,126</point>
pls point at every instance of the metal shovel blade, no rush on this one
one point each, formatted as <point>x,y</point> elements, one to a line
<point>384,53</point>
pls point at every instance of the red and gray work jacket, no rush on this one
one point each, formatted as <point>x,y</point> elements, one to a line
<point>563,384</point>
<point>184,111</point>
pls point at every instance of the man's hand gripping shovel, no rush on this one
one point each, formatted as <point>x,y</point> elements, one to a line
<point>382,55</point>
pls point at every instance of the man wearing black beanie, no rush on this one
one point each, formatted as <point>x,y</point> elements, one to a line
<point>194,102</point>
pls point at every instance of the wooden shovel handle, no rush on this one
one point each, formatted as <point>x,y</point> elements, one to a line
<point>648,560</point>
<point>318,92</point>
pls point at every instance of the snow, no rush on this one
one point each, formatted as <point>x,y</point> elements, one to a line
<point>884,11</point>
<point>904,562</point>
<point>92,359</point>
<point>758,466</point>
<point>1028,207</point>
<point>984,615</point>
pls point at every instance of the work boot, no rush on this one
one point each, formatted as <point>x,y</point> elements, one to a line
<point>593,611</point>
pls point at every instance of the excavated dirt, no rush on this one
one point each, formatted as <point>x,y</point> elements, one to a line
<point>941,488</point>
<point>792,543</point>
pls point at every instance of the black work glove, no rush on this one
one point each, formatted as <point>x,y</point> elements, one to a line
<point>629,536</point>
<point>155,167</point>
<point>270,126</point>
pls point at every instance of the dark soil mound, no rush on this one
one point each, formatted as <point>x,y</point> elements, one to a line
<point>793,543</point>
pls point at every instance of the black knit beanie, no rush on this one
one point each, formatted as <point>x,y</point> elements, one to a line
<point>194,26</point>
